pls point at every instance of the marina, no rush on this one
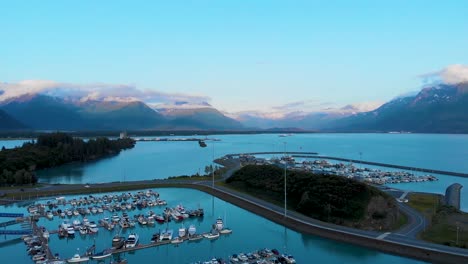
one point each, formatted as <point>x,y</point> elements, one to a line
<point>446,153</point>
<point>40,248</point>
<point>261,256</point>
<point>374,175</point>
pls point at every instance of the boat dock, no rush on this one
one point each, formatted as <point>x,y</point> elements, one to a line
<point>37,231</point>
<point>157,244</point>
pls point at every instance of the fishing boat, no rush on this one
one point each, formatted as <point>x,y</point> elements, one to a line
<point>159,219</point>
<point>76,223</point>
<point>49,215</point>
<point>93,227</point>
<point>182,231</point>
<point>118,242</point>
<point>225,230</point>
<point>103,254</point>
<point>166,235</point>
<point>70,232</point>
<point>83,230</point>
<point>219,224</point>
<point>155,238</point>
<point>214,233</point>
<point>192,230</point>
<point>132,240</point>
<point>77,259</point>
<point>177,240</point>
<point>211,235</point>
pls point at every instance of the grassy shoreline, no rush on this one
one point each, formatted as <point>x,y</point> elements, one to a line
<point>448,226</point>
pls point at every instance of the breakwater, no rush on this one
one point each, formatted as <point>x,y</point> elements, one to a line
<point>314,155</point>
<point>380,164</point>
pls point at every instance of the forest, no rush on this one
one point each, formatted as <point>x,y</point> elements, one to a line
<point>325,197</point>
<point>18,165</point>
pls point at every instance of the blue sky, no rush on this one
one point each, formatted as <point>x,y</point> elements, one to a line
<point>244,55</point>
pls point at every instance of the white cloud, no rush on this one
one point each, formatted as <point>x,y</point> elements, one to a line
<point>452,74</point>
<point>97,91</point>
<point>299,109</point>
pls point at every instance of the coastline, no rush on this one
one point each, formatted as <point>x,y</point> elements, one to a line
<point>303,226</point>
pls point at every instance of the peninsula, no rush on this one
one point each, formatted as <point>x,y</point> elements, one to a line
<point>18,165</point>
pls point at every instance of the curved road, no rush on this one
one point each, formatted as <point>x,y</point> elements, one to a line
<point>405,236</point>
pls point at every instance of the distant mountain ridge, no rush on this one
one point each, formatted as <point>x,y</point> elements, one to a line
<point>43,112</point>
<point>439,109</point>
<point>9,123</point>
<point>199,118</point>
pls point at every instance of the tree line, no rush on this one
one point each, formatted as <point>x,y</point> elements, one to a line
<point>18,165</point>
<point>326,197</point>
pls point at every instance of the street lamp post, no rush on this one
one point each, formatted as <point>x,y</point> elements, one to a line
<point>212,169</point>
<point>285,166</point>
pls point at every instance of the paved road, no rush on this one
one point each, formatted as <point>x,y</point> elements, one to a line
<point>404,236</point>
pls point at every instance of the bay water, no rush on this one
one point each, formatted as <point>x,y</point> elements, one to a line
<point>156,160</point>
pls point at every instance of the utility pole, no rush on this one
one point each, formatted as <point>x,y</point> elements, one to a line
<point>212,169</point>
<point>285,166</point>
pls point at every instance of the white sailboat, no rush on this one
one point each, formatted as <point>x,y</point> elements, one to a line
<point>225,230</point>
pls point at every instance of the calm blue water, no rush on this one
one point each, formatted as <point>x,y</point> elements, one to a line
<point>150,160</point>
<point>12,143</point>
<point>250,232</point>
<point>155,160</point>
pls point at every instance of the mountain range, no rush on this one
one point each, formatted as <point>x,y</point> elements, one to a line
<point>43,112</point>
<point>441,108</point>
<point>9,123</point>
<point>438,109</point>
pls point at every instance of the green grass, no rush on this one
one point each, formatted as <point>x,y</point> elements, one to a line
<point>402,221</point>
<point>240,189</point>
<point>443,229</point>
<point>443,221</point>
<point>427,204</point>
<point>22,186</point>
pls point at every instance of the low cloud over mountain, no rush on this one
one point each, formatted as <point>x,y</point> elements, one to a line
<point>95,92</point>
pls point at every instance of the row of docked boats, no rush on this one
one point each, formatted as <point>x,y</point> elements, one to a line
<point>95,205</point>
<point>67,229</point>
<point>262,256</point>
<point>36,249</point>
<point>350,170</point>
<point>184,234</point>
<point>83,211</point>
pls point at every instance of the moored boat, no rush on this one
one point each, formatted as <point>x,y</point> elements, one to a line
<point>77,259</point>
<point>132,240</point>
<point>212,235</point>
<point>166,235</point>
<point>118,242</point>
<point>177,240</point>
<point>103,254</point>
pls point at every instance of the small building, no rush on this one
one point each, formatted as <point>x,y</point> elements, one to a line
<point>123,135</point>
<point>452,195</point>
